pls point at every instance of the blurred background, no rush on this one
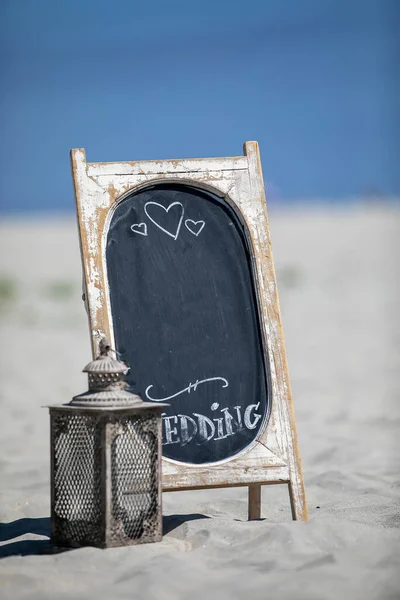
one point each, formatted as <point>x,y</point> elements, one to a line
<point>315,82</point>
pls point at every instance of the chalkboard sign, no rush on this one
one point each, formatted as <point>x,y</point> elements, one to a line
<point>185,319</point>
<point>179,276</point>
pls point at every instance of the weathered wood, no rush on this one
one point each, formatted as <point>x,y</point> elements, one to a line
<point>99,187</point>
<point>254,502</point>
<point>157,167</point>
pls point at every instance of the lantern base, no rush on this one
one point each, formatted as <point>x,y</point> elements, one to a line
<point>64,535</point>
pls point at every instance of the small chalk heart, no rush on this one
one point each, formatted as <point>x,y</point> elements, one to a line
<point>140,228</point>
<point>194,227</point>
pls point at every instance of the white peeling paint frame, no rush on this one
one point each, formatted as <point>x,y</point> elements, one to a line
<point>99,187</point>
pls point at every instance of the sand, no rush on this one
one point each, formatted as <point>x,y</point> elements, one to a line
<point>339,288</point>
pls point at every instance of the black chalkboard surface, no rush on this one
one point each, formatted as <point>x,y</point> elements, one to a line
<point>185,319</point>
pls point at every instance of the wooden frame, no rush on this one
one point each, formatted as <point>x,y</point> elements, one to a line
<point>274,457</point>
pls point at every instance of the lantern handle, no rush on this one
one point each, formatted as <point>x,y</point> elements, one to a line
<point>105,348</point>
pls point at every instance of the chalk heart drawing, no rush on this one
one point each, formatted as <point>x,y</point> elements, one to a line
<point>140,228</point>
<point>195,227</point>
<point>158,217</point>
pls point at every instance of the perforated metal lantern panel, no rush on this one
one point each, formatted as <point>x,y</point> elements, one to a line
<point>134,478</point>
<point>77,502</point>
<point>106,488</point>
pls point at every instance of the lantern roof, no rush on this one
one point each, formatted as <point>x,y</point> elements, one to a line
<point>106,385</point>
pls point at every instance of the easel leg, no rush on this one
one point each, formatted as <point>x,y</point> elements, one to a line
<point>254,501</point>
<point>298,502</point>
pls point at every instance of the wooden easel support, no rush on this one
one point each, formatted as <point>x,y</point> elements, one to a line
<point>254,501</point>
<point>299,512</point>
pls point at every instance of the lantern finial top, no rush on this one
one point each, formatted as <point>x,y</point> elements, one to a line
<point>106,384</point>
<point>104,346</point>
<point>105,363</point>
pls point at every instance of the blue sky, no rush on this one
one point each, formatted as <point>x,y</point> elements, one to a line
<point>314,81</point>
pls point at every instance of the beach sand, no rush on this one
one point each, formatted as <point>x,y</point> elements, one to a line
<point>338,281</point>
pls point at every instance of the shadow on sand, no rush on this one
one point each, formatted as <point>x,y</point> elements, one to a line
<point>41,526</point>
<point>171,522</point>
<point>15,529</point>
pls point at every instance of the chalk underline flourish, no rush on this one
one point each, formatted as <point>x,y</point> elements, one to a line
<point>188,389</point>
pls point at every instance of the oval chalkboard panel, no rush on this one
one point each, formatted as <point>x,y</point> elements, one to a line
<point>185,319</point>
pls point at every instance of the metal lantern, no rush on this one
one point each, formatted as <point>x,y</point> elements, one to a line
<point>106,463</point>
